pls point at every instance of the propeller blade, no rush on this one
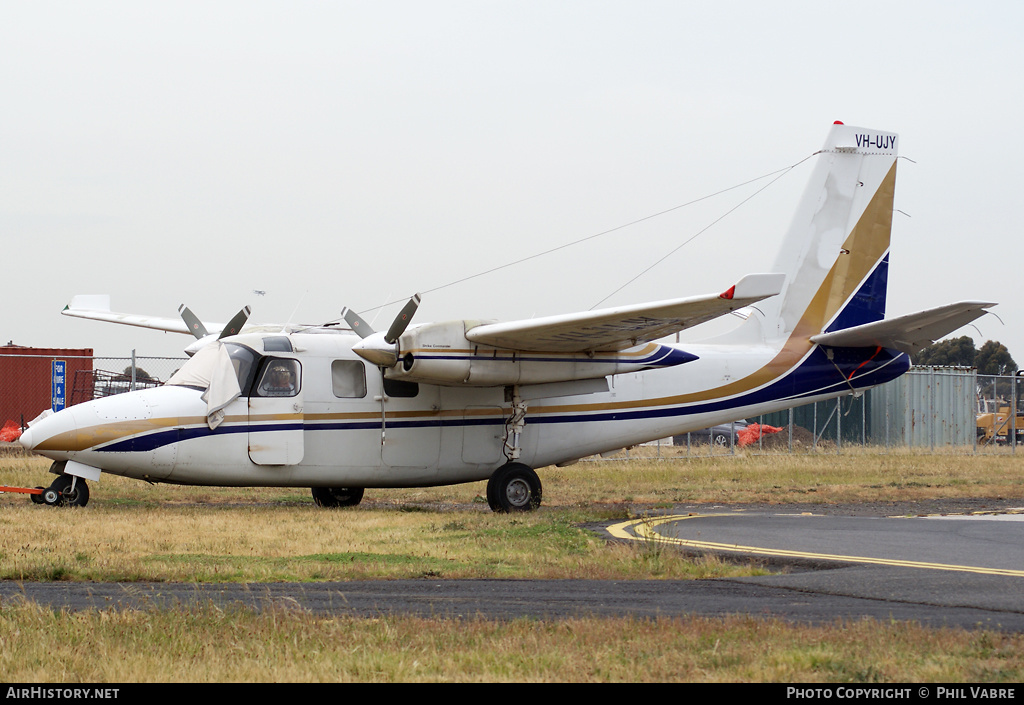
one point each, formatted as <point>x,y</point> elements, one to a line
<point>236,323</point>
<point>402,320</point>
<point>361,327</point>
<point>195,326</point>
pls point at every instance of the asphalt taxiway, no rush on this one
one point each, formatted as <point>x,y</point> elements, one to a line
<point>964,571</point>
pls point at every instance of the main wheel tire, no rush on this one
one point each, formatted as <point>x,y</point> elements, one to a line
<point>514,487</point>
<point>79,496</point>
<point>337,496</point>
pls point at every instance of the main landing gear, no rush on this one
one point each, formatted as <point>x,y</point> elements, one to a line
<point>337,496</point>
<point>514,487</point>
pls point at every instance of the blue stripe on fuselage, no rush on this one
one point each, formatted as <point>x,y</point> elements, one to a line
<point>152,441</point>
<point>815,376</point>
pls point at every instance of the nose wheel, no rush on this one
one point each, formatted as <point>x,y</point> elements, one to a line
<point>66,490</point>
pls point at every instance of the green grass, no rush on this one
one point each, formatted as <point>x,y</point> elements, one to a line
<point>272,543</point>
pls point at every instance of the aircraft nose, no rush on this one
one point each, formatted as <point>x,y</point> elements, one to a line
<point>25,439</point>
<point>39,437</point>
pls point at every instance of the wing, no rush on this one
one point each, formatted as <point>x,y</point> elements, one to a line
<point>97,308</point>
<point>907,333</point>
<point>624,327</point>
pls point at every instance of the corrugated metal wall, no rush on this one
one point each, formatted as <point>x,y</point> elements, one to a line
<point>927,407</point>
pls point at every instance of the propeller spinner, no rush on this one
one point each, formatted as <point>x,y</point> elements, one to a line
<point>381,348</point>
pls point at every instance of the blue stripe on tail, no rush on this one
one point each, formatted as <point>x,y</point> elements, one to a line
<point>868,304</point>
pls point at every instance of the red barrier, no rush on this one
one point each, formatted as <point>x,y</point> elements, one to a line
<point>10,432</point>
<point>751,434</point>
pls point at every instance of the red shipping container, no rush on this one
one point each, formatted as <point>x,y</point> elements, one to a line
<point>26,379</point>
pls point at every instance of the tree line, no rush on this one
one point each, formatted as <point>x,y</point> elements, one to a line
<point>992,358</point>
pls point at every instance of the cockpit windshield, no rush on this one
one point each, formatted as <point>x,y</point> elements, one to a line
<point>210,363</point>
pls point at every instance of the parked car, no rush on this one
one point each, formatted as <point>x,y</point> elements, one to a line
<point>723,435</point>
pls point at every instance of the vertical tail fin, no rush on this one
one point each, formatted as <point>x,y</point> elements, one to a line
<point>835,254</point>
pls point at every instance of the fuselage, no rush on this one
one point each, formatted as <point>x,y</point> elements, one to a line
<point>343,424</point>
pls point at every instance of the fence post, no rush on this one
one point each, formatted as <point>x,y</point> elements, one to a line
<point>814,442</point>
<point>863,419</point>
<point>839,424</point>
<point>978,395</point>
<point>931,409</point>
<point>132,386</point>
<point>995,413</point>
<point>1014,388</point>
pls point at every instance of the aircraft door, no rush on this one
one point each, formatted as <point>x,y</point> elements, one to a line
<point>484,440</point>
<point>411,425</point>
<point>276,414</point>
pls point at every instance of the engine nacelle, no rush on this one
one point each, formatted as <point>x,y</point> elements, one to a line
<point>440,353</point>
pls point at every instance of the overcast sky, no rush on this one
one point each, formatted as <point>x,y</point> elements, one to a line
<point>339,154</point>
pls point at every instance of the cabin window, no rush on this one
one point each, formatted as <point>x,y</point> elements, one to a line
<point>280,378</point>
<point>399,388</point>
<point>348,377</point>
<point>277,343</point>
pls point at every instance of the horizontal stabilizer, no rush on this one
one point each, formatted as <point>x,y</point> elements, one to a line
<point>908,333</point>
<point>624,327</point>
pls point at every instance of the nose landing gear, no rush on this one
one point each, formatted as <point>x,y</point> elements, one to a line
<point>66,490</point>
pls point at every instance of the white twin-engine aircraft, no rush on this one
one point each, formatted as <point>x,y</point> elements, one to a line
<point>444,403</point>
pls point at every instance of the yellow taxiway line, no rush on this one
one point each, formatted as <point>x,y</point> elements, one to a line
<point>646,530</point>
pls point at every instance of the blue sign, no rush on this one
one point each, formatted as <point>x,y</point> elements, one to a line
<point>57,385</point>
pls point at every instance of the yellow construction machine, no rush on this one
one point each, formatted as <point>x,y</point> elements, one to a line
<point>999,426</point>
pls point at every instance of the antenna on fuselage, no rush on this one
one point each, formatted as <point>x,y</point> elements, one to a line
<point>294,310</point>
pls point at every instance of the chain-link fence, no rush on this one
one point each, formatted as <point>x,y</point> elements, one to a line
<point>928,409</point>
<point>115,375</point>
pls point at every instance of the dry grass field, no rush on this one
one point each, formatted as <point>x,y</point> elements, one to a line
<point>212,646</point>
<point>133,531</point>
